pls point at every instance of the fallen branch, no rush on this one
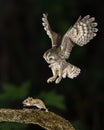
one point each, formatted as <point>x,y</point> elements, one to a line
<point>47,120</point>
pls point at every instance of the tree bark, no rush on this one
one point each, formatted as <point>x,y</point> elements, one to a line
<point>47,120</point>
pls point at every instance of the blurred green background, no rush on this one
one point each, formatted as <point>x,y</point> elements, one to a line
<point>23,71</point>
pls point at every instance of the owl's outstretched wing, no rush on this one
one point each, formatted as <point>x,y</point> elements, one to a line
<point>52,35</point>
<point>81,33</point>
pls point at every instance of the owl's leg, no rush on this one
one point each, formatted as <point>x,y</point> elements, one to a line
<point>60,76</point>
<point>51,79</point>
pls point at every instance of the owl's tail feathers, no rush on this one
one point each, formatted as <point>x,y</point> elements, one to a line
<point>71,71</point>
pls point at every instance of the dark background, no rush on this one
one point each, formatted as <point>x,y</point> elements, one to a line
<point>23,71</point>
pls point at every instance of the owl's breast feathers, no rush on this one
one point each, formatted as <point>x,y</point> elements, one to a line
<point>59,64</point>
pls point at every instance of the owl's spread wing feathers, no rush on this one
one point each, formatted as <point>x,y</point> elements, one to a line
<point>81,33</point>
<point>52,35</point>
<point>83,30</point>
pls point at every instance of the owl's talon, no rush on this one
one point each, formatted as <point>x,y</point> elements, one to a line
<point>51,79</point>
<point>58,80</point>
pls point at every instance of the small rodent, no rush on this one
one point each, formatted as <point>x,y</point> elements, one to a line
<point>28,102</point>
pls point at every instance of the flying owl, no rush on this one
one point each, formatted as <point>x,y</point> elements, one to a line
<point>80,33</point>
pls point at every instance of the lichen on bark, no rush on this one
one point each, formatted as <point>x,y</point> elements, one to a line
<point>47,120</point>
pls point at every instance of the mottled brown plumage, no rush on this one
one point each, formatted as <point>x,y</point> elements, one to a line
<point>80,33</point>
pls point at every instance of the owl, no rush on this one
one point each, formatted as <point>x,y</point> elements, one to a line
<point>80,33</point>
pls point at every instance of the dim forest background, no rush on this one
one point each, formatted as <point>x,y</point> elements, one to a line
<point>23,71</point>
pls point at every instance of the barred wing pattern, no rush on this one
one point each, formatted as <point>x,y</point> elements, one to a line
<point>81,33</point>
<point>83,30</point>
<point>52,35</point>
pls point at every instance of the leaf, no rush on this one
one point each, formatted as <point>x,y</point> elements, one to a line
<point>13,92</point>
<point>12,126</point>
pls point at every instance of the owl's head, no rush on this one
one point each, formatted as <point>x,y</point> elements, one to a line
<point>50,56</point>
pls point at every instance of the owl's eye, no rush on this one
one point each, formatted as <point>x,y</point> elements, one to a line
<point>51,58</point>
